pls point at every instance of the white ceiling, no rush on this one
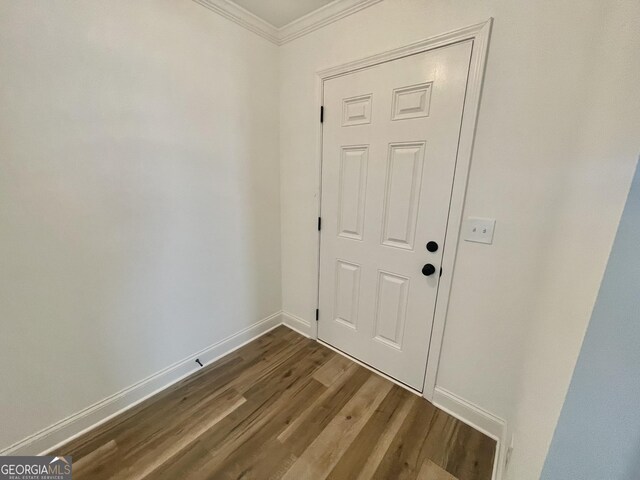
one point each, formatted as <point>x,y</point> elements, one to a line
<point>281,12</point>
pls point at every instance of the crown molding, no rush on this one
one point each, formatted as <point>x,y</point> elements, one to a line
<point>319,18</point>
<point>234,12</point>
<point>330,13</point>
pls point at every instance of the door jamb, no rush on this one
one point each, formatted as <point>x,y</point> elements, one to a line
<point>479,34</point>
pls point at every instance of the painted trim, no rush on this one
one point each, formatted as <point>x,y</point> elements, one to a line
<point>297,324</point>
<point>332,12</point>
<point>319,18</point>
<point>471,414</point>
<point>91,417</point>
<point>472,32</point>
<point>478,418</point>
<point>234,12</point>
<point>479,34</point>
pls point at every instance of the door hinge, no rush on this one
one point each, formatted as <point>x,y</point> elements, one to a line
<point>317,314</point>
<point>319,223</point>
<point>321,114</point>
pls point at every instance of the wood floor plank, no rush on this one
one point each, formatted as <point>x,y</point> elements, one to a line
<point>98,457</point>
<point>318,414</point>
<point>172,445</point>
<point>261,452</point>
<point>205,457</point>
<point>331,371</point>
<point>137,459</point>
<point>271,395</point>
<point>325,451</point>
<point>283,406</point>
<point>428,433</point>
<point>302,364</point>
<point>406,453</point>
<point>363,457</point>
<point>243,449</point>
<point>431,471</point>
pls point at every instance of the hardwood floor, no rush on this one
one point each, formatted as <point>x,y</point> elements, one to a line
<point>283,407</point>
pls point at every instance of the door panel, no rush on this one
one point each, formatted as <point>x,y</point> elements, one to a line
<point>390,139</point>
<point>356,110</point>
<point>391,309</point>
<point>353,177</point>
<point>347,293</point>
<point>402,194</point>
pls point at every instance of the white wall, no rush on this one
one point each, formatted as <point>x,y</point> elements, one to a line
<point>555,150</point>
<point>139,196</point>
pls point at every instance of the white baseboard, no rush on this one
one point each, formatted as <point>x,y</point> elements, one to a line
<point>297,324</point>
<point>56,435</point>
<point>478,418</point>
<point>80,422</point>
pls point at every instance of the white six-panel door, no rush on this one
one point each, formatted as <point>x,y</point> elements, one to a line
<point>390,139</point>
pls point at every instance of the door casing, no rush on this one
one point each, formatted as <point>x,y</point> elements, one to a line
<point>480,35</point>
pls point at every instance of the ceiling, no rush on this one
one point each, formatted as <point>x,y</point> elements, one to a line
<point>281,12</point>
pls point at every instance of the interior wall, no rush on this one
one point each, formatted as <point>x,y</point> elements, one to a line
<point>598,432</point>
<point>139,196</point>
<point>554,155</point>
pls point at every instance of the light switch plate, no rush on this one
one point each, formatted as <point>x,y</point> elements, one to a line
<point>479,230</point>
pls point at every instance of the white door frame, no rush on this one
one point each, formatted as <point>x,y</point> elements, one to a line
<point>479,34</point>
